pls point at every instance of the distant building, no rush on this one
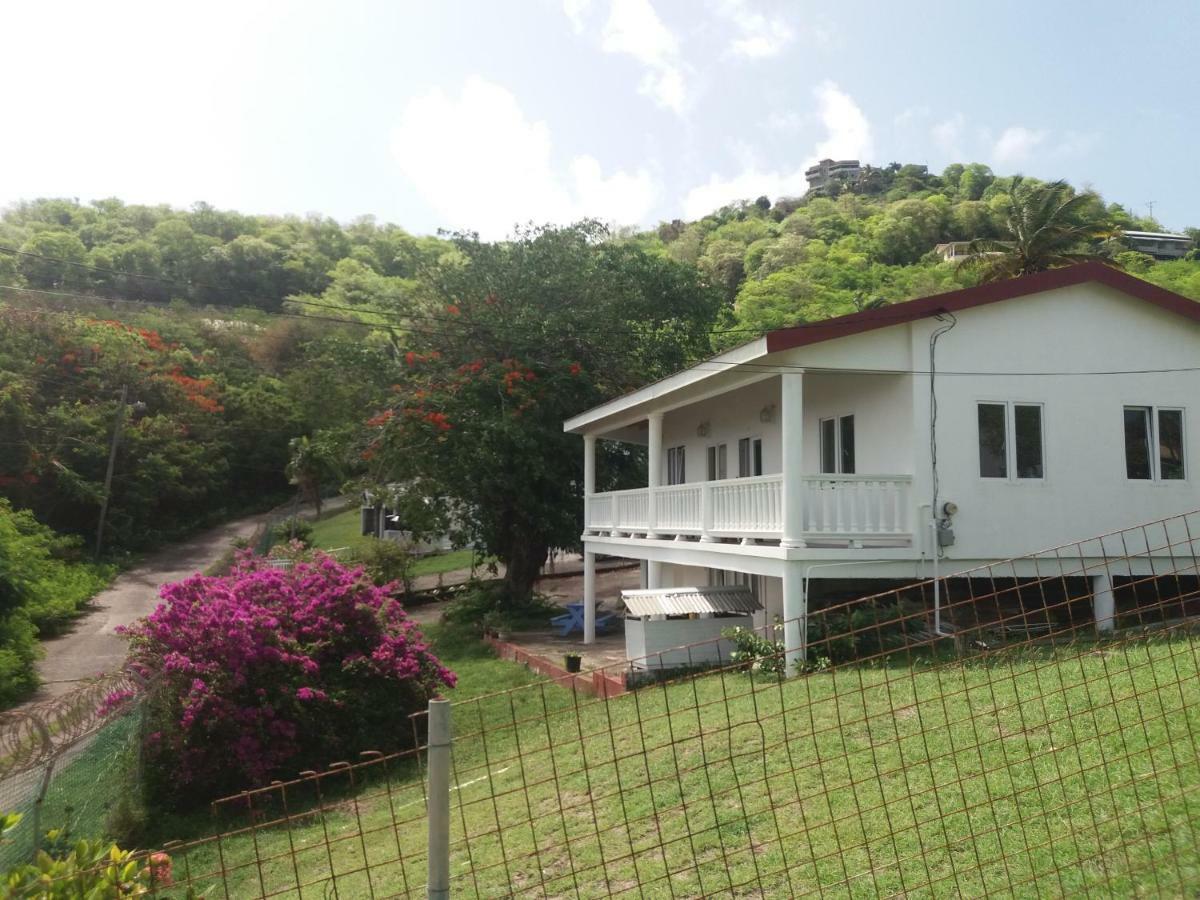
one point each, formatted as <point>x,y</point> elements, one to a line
<point>1160,245</point>
<point>829,170</point>
<point>957,251</point>
<point>953,251</point>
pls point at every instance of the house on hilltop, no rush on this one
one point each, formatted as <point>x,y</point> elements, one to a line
<point>955,430</point>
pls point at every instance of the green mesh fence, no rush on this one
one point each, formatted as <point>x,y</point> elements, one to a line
<point>79,790</point>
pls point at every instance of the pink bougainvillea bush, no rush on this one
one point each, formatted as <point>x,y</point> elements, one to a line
<point>265,672</point>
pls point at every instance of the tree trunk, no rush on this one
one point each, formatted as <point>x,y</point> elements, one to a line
<point>522,567</point>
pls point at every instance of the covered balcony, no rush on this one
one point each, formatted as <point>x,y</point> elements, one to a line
<point>777,459</point>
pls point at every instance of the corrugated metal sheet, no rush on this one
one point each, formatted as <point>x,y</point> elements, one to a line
<point>682,601</point>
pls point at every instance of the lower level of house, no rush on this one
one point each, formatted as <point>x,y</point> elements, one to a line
<point>1054,594</point>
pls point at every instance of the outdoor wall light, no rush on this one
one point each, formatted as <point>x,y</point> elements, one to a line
<point>767,414</point>
<point>703,429</point>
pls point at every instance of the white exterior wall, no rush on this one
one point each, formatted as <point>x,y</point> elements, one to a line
<point>883,422</point>
<point>1084,328</point>
<point>730,417</point>
<point>881,406</point>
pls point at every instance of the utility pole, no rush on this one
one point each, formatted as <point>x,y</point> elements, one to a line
<point>118,426</point>
<point>1150,206</point>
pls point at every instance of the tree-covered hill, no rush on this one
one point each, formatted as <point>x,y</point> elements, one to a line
<point>775,261</point>
<point>871,240</point>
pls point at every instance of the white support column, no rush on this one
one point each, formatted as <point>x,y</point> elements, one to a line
<point>654,466</point>
<point>1103,604</point>
<point>795,617</point>
<point>589,597</point>
<point>791,427</point>
<point>653,574</point>
<point>589,479</point>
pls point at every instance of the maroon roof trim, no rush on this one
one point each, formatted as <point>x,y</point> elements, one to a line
<point>968,298</point>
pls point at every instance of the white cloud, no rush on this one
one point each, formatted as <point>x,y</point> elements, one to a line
<point>759,36</point>
<point>848,136</point>
<point>948,136</point>
<point>480,163</point>
<point>1015,144</point>
<point>750,183</point>
<point>634,28</point>
<point>784,121</point>
<point>849,131</point>
<point>576,10</point>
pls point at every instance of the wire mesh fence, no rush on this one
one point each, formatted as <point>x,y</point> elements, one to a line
<point>1034,730</point>
<point>69,764</point>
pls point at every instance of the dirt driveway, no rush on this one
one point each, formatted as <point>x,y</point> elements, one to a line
<point>92,645</point>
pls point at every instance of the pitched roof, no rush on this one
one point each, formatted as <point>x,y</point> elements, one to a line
<point>728,363</point>
<point>967,298</point>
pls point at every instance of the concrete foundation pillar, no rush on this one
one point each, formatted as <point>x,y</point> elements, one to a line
<point>653,574</point>
<point>795,619</point>
<point>589,598</point>
<point>1103,604</point>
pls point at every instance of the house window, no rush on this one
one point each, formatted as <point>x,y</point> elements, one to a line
<point>837,445</point>
<point>676,473</point>
<point>717,462</point>
<point>1154,443</point>
<point>1010,440</point>
<point>750,457</point>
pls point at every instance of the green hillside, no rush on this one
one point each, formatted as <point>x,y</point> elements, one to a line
<point>871,240</point>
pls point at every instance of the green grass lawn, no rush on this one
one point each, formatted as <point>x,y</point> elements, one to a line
<point>342,530</point>
<point>1049,771</point>
<point>339,530</point>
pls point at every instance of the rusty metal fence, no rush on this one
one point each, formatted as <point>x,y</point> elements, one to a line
<point>1039,735</point>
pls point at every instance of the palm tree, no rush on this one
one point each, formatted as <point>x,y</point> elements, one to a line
<point>1045,226</point>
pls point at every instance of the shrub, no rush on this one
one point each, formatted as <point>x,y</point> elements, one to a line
<point>41,589</point>
<point>387,563</point>
<point>293,528</point>
<point>483,603</point>
<point>84,869</point>
<point>865,629</point>
<point>268,671</point>
<point>754,651</point>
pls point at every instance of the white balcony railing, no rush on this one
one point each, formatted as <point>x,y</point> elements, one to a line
<point>856,505</point>
<point>747,507</point>
<point>839,507</point>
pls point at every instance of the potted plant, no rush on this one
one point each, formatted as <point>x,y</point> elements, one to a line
<point>574,662</point>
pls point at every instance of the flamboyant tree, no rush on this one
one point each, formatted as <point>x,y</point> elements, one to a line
<point>511,339</point>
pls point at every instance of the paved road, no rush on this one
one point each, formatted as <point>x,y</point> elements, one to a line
<point>93,646</point>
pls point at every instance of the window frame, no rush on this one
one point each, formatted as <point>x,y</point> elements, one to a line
<point>838,460</point>
<point>1155,442</point>
<point>754,443</point>
<point>676,455</point>
<point>1011,472</point>
<point>716,459</point>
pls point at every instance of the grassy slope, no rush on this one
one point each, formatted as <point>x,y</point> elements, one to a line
<point>1064,771</point>
<point>342,530</point>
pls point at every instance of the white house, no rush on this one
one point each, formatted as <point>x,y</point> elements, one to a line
<point>955,430</point>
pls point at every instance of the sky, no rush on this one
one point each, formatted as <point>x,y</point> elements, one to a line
<point>482,114</point>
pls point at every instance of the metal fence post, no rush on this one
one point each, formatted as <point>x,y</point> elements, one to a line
<point>439,799</point>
